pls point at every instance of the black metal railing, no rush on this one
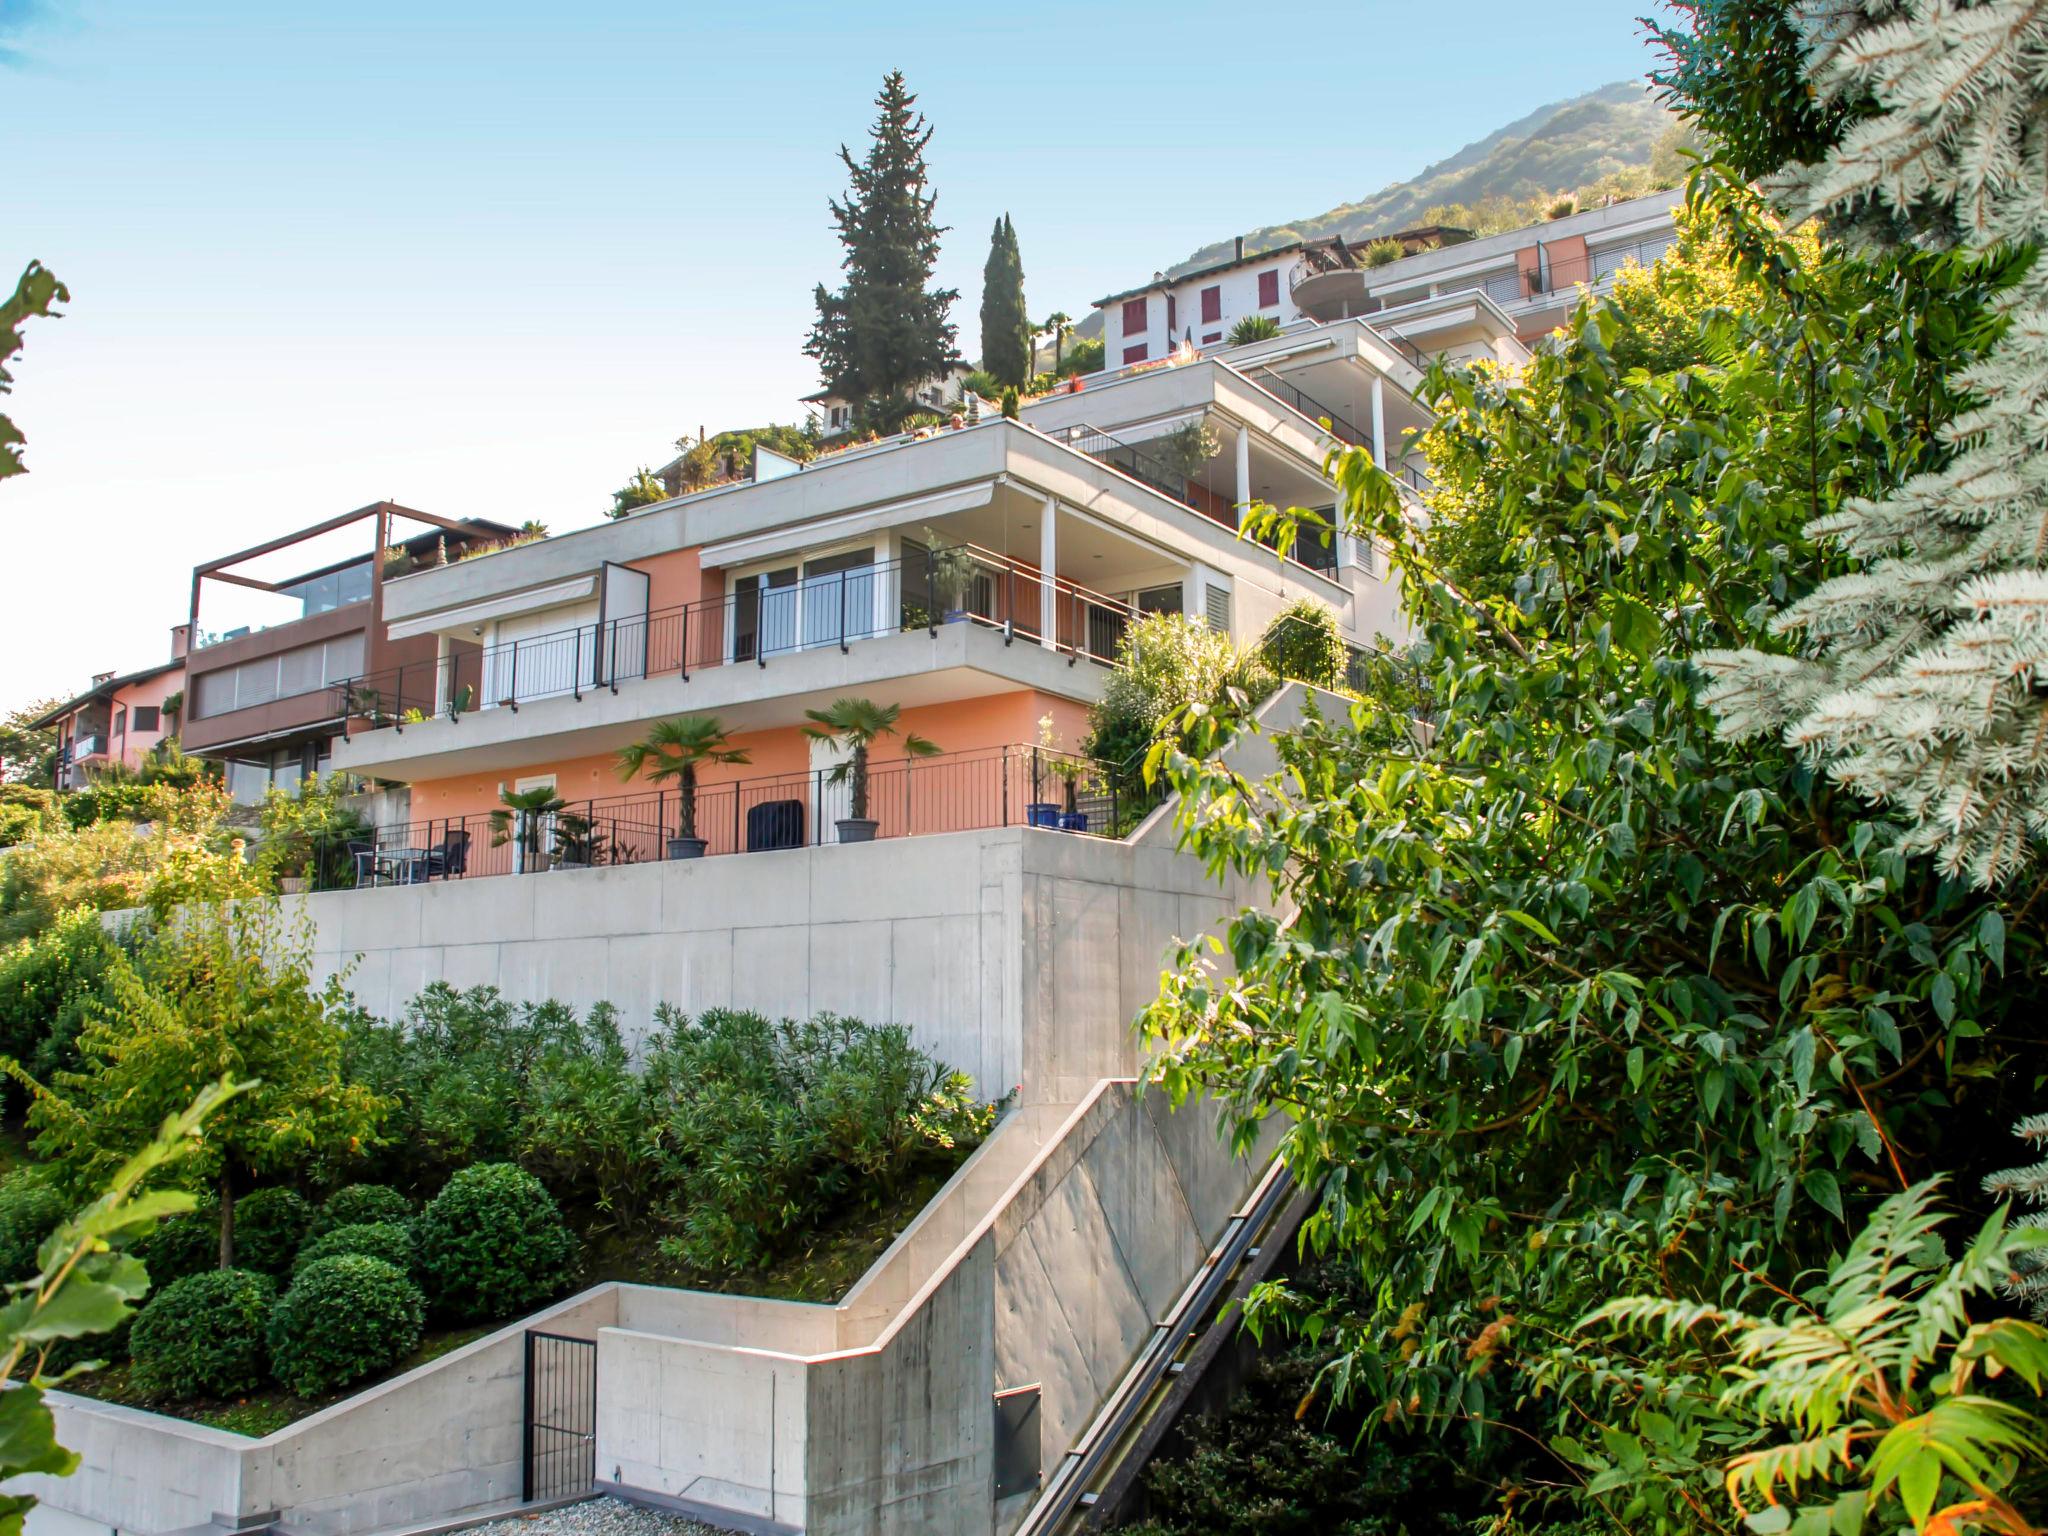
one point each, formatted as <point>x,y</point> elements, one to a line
<point>1312,408</point>
<point>756,625</point>
<point>1006,786</point>
<point>1407,349</point>
<point>1134,461</point>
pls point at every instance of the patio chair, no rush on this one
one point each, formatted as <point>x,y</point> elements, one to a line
<point>451,858</point>
<point>364,857</point>
<point>775,824</point>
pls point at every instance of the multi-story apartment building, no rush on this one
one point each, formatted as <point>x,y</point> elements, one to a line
<point>1450,292</point>
<point>979,578</point>
<point>277,626</point>
<point>120,719</point>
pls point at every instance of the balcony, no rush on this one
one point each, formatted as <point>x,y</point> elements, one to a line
<point>1533,283</point>
<point>962,584</point>
<point>912,797</point>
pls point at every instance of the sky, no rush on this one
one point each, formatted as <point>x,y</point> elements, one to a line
<point>486,260</point>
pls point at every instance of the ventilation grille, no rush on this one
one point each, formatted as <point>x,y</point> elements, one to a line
<point>1218,609</point>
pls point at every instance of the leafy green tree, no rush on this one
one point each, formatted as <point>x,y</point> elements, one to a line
<point>28,755</point>
<point>885,331</point>
<point>643,490</point>
<point>225,991</point>
<point>1574,996</point>
<point>1005,324</point>
<point>86,1284</point>
<point>36,295</point>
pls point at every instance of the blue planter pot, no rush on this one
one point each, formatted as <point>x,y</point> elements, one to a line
<point>1073,821</point>
<point>1043,813</point>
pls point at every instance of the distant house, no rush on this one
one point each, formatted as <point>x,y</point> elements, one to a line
<point>119,719</point>
<point>833,414</point>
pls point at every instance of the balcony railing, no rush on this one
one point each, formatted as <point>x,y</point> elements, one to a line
<point>1312,408</point>
<point>757,625</point>
<point>1006,786</point>
<point>1139,463</point>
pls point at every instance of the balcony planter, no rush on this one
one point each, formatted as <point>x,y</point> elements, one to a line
<point>291,885</point>
<point>1073,821</point>
<point>1042,813</point>
<point>857,829</point>
<point>687,847</point>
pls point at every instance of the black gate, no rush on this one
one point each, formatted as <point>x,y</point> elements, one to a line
<point>558,1456</point>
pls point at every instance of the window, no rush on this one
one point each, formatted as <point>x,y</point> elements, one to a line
<point>1135,354</point>
<point>1136,320</point>
<point>1269,288</point>
<point>1159,599</point>
<point>121,721</point>
<point>1211,336</point>
<point>145,718</point>
<point>1172,316</point>
<point>305,669</point>
<point>1212,304</point>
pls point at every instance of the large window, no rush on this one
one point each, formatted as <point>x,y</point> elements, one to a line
<point>265,679</point>
<point>335,589</point>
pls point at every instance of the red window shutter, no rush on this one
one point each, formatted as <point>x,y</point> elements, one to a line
<point>1136,321</point>
<point>1135,354</point>
<point>1212,305</point>
<point>1269,289</point>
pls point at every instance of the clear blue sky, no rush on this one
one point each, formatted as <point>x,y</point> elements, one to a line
<point>486,259</point>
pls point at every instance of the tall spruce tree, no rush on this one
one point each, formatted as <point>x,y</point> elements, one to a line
<point>1005,326</point>
<point>1920,678</point>
<point>886,330</point>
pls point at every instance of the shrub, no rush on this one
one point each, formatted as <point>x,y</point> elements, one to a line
<point>766,1127</point>
<point>356,1204</point>
<point>586,1132</point>
<point>387,1240</point>
<point>491,1243</point>
<point>1084,356</point>
<point>30,1210</point>
<point>1304,644</point>
<point>47,986</point>
<point>1254,328</point>
<point>1383,253</point>
<point>183,1245</point>
<point>204,1335</point>
<point>25,811</point>
<point>1169,664</point>
<point>270,1224</point>
<point>346,1317</point>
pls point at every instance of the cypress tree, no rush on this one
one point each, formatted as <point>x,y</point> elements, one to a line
<point>1005,327</point>
<point>886,331</point>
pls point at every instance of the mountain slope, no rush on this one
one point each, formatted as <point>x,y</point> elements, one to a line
<point>1616,134</point>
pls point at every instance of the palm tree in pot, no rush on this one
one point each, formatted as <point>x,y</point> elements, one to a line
<point>853,726</point>
<point>522,821</point>
<point>672,752</point>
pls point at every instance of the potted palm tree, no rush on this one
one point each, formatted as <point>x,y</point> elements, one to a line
<point>522,821</point>
<point>853,726</point>
<point>673,751</point>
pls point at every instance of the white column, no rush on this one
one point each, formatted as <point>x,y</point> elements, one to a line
<point>1380,452</point>
<point>443,647</point>
<point>1244,472</point>
<point>1048,572</point>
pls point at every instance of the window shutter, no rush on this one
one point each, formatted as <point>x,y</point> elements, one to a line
<point>1212,305</point>
<point>1172,316</point>
<point>1135,354</point>
<point>1217,602</point>
<point>1269,288</point>
<point>1136,322</point>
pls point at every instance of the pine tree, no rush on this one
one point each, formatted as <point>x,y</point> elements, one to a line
<point>886,331</point>
<point>1920,679</point>
<point>1005,326</point>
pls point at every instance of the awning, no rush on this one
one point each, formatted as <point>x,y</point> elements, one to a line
<point>797,537</point>
<point>553,595</point>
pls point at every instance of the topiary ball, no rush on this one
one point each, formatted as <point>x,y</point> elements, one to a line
<point>30,1210</point>
<point>270,1224</point>
<point>386,1240</point>
<point>346,1317</point>
<point>182,1245</point>
<point>492,1243</point>
<point>203,1336</point>
<point>355,1204</point>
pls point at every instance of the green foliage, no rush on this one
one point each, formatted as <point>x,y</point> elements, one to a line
<point>24,811</point>
<point>884,333</point>
<point>491,1244</point>
<point>725,456</point>
<point>270,1224</point>
<point>1189,447</point>
<point>587,1126</point>
<point>85,1287</point>
<point>49,986</point>
<point>386,1240</point>
<point>1254,328</point>
<point>186,1244</point>
<point>1005,323</point>
<point>1169,666</point>
<point>1085,356</point>
<point>31,1208</point>
<point>1574,997</point>
<point>223,991</point>
<point>643,490</point>
<point>1736,67</point>
<point>37,293</point>
<point>1010,406</point>
<point>1383,253</point>
<point>28,753</point>
<point>1865,1396</point>
<point>345,1317</point>
<point>762,1128</point>
<point>523,818</point>
<point>853,726</point>
<point>356,1204</point>
<point>1305,644</point>
<point>671,753</point>
<point>306,832</point>
<point>203,1336</point>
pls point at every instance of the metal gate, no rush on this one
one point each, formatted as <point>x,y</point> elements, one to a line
<point>558,1456</point>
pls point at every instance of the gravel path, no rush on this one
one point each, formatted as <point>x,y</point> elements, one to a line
<point>597,1517</point>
